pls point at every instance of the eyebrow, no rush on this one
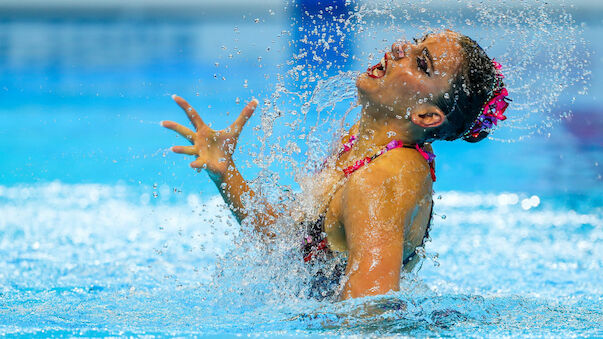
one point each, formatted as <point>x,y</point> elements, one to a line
<point>426,52</point>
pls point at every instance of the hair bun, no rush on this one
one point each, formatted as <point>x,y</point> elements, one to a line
<point>479,137</point>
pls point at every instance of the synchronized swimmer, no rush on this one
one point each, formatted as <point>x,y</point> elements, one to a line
<point>375,205</point>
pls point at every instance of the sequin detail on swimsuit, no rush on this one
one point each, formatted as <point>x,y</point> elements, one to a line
<point>429,157</point>
<point>322,246</point>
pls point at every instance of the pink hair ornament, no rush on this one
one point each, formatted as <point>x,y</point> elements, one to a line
<point>494,109</point>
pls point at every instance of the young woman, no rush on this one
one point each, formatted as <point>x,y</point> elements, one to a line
<point>375,199</point>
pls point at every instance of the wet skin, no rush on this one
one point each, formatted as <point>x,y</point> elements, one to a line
<point>379,214</point>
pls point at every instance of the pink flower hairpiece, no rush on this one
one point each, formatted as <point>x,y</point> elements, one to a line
<point>494,109</point>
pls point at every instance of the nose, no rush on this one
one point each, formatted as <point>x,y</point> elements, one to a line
<point>399,49</point>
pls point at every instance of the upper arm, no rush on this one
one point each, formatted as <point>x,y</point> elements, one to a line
<point>375,217</point>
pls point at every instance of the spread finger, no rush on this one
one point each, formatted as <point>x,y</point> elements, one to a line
<point>246,113</point>
<point>189,150</point>
<point>193,116</point>
<point>182,130</point>
<point>197,164</point>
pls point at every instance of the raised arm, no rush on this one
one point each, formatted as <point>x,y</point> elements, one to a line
<point>213,151</point>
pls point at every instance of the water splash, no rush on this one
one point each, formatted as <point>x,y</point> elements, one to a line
<point>539,44</point>
<point>314,100</point>
<point>161,268</point>
<point>71,267</point>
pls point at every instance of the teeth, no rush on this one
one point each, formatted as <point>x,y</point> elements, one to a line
<point>383,62</point>
<point>376,72</point>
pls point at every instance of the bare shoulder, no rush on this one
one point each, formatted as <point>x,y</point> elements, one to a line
<point>401,168</point>
<point>410,168</point>
<point>399,178</point>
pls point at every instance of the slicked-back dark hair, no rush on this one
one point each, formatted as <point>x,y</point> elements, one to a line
<point>469,90</point>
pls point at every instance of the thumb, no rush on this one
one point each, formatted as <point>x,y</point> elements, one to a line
<point>198,163</point>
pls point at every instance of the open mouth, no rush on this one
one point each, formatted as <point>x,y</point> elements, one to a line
<point>378,70</point>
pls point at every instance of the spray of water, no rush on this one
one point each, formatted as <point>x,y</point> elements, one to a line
<point>314,101</point>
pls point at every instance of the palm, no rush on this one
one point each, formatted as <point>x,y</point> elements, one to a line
<point>212,148</point>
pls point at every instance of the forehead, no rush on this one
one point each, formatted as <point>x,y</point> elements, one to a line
<point>445,50</point>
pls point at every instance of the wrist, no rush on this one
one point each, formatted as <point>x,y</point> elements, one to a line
<point>218,171</point>
<point>216,177</point>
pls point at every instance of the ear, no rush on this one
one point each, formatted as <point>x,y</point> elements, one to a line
<point>428,116</point>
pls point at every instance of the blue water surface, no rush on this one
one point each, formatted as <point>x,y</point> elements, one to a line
<point>103,232</point>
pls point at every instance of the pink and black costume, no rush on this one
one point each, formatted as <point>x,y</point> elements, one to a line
<point>315,246</point>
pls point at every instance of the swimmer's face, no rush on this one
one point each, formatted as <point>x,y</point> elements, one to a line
<point>412,72</point>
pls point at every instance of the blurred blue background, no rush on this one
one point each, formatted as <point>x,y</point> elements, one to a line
<point>83,86</point>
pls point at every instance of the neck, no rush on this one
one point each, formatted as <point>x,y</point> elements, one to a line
<point>377,128</point>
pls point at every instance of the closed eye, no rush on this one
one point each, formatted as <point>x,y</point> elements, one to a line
<point>423,66</point>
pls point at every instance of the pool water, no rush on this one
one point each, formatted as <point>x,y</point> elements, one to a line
<point>95,259</point>
<point>103,232</point>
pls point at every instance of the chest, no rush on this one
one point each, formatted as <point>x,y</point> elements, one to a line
<point>335,200</point>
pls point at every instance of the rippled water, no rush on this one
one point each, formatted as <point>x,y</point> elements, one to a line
<point>111,260</point>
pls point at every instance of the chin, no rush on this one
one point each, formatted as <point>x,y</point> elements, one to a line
<point>361,79</point>
<point>365,85</point>
<point>363,98</point>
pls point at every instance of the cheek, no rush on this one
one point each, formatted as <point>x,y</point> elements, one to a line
<point>404,86</point>
<point>401,74</point>
<point>407,79</point>
<point>413,87</point>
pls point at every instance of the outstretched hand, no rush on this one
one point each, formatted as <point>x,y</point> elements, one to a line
<point>213,149</point>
